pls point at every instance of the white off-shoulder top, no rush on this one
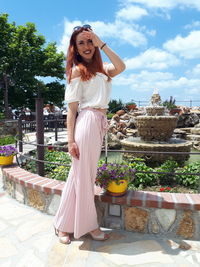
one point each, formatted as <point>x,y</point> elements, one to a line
<point>94,93</point>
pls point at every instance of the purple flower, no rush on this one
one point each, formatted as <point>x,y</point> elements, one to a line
<point>7,151</point>
<point>107,173</point>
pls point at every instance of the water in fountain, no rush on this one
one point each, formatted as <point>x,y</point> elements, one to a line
<point>155,130</point>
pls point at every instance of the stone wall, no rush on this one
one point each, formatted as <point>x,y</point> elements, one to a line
<point>173,223</point>
<point>168,214</point>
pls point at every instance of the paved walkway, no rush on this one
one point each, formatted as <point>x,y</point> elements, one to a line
<point>27,240</point>
<point>49,138</point>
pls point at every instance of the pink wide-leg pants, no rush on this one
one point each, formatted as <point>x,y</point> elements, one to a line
<point>77,212</point>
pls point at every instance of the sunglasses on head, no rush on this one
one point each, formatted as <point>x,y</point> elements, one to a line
<point>85,26</point>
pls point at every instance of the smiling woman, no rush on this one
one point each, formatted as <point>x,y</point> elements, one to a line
<point>85,47</point>
<point>88,92</point>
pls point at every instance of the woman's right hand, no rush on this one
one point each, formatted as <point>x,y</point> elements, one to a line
<point>73,150</point>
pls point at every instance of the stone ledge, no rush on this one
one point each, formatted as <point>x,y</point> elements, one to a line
<point>168,214</point>
<point>132,198</point>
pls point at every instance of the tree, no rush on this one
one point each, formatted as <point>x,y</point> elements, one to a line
<point>115,105</point>
<point>25,58</point>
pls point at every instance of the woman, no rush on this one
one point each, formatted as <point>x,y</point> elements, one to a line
<point>88,91</point>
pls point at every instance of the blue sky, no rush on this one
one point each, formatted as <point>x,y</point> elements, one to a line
<point>159,40</point>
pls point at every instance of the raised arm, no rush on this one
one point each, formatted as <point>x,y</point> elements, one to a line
<point>117,65</point>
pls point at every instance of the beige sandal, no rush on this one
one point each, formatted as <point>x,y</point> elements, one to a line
<point>63,239</point>
<point>101,237</point>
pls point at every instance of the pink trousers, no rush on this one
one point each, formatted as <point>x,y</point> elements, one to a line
<point>77,212</point>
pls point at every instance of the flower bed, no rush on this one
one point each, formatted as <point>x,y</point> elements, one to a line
<point>143,181</point>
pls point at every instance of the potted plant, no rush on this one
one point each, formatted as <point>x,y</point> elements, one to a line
<point>114,178</point>
<point>131,106</point>
<point>6,154</point>
<point>172,107</point>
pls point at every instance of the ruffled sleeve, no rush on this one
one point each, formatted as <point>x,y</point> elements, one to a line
<point>73,92</point>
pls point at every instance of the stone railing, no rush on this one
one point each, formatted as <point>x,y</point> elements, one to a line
<point>168,214</point>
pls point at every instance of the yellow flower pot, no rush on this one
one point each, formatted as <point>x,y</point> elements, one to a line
<point>6,160</point>
<point>115,189</point>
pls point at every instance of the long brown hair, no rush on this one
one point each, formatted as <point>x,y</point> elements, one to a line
<point>87,70</point>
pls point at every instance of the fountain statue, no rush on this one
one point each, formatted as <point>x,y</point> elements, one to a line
<point>155,130</point>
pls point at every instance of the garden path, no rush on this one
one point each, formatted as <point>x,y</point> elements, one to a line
<point>49,138</point>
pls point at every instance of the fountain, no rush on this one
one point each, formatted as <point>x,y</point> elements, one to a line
<point>155,130</point>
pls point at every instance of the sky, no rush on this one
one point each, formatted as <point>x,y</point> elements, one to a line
<point>159,40</point>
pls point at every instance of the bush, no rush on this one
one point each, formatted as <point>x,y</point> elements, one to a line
<point>58,157</point>
<point>143,179</point>
<point>52,171</point>
<point>110,115</point>
<point>191,181</point>
<point>7,140</point>
<point>114,105</point>
<point>2,116</point>
<point>167,166</point>
<point>60,173</point>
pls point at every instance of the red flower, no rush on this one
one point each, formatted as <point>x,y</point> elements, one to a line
<point>162,189</point>
<point>168,188</point>
<point>50,147</point>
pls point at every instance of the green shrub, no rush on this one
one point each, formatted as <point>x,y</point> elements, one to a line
<point>115,105</point>
<point>60,173</point>
<point>51,170</point>
<point>143,179</point>
<point>58,157</point>
<point>7,140</point>
<point>191,181</point>
<point>110,115</point>
<point>167,166</point>
<point>2,116</point>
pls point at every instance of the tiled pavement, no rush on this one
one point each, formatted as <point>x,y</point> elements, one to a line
<point>49,138</point>
<point>27,240</point>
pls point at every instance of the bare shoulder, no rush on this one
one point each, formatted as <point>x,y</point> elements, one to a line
<point>75,72</point>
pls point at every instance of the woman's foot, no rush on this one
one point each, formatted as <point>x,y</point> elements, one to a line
<point>63,237</point>
<point>99,235</point>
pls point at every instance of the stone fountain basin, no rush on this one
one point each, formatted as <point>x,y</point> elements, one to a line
<point>155,110</point>
<point>159,128</point>
<point>139,146</point>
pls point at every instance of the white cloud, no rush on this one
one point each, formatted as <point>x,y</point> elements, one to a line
<point>195,72</point>
<point>166,82</point>
<point>165,4</point>
<point>143,81</point>
<point>154,59</point>
<point>194,24</point>
<point>68,28</point>
<point>187,47</point>
<point>131,13</point>
<point>119,30</point>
